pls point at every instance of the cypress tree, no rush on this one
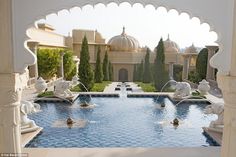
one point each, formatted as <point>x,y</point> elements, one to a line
<point>85,71</point>
<point>110,72</point>
<point>146,72</point>
<point>135,73</point>
<point>201,63</point>
<point>160,74</point>
<point>98,69</point>
<point>140,72</point>
<point>105,68</point>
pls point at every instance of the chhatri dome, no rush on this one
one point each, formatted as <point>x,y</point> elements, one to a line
<point>192,50</point>
<point>171,46</point>
<point>124,42</point>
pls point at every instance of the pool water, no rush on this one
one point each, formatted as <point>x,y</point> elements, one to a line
<point>123,122</point>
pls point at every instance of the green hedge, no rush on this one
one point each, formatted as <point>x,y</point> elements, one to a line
<point>69,65</point>
<point>147,87</point>
<point>98,87</point>
<point>49,63</point>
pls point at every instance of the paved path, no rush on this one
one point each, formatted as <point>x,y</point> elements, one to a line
<point>124,152</point>
<point>111,87</point>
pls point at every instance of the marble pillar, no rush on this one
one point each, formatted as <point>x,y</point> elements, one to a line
<point>185,68</point>
<point>228,86</point>
<point>10,96</point>
<point>10,85</point>
<point>171,70</point>
<point>33,70</point>
<point>76,60</point>
<point>62,65</point>
<point>210,70</point>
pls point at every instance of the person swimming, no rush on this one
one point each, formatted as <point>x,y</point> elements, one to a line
<point>175,122</point>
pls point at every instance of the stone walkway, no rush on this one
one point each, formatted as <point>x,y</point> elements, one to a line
<point>111,87</point>
<point>124,152</point>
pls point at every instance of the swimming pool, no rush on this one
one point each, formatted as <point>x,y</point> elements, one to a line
<point>122,122</point>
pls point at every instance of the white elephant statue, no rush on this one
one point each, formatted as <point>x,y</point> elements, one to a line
<point>183,89</point>
<point>62,89</point>
<point>217,109</point>
<point>28,125</point>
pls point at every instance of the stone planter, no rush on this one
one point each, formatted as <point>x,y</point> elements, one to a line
<point>40,85</point>
<point>203,87</point>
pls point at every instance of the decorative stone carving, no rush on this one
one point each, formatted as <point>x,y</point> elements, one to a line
<point>183,89</point>
<point>40,85</point>
<point>62,89</point>
<point>28,125</point>
<point>218,109</point>
<point>203,87</point>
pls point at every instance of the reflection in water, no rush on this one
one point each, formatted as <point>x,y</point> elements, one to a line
<point>182,111</point>
<point>121,122</point>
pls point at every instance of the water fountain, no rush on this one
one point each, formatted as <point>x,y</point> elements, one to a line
<point>84,104</point>
<point>163,87</point>
<point>182,93</point>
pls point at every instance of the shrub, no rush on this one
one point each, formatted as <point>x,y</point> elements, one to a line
<point>48,62</point>
<point>178,69</point>
<point>194,77</point>
<point>69,65</point>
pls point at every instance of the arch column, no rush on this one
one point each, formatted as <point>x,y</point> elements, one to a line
<point>210,70</point>
<point>228,86</point>
<point>76,60</point>
<point>10,85</point>
<point>62,65</point>
<point>171,70</point>
<point>185,67</point>
<point>33,46</point>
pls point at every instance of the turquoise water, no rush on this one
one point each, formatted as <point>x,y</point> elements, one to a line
<point>123,122</point>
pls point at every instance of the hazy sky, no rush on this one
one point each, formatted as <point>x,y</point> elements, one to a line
<point>147,24</point>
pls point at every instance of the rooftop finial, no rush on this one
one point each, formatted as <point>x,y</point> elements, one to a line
<point>123,33</point>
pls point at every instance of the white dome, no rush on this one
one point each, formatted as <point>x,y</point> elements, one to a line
<point>192,49</point>
<point>124,42</point>
<point>171,46</point>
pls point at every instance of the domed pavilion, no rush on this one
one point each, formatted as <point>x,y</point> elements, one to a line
<point>125,52</point>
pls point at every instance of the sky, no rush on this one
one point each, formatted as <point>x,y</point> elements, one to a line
<point>146,24</point>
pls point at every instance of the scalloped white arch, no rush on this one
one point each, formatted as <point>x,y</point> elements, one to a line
<point>217,13</point>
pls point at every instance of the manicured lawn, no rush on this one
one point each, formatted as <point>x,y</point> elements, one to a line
<point>146,87</point>
<point>98,87</point>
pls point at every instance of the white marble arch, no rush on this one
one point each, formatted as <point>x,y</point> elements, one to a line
<point>217,13</point>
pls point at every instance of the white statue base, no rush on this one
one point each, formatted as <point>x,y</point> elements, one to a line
<point>28,125</point>
<point>218,124</point>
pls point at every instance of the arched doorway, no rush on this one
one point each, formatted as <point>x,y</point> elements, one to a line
<point>123,75</point>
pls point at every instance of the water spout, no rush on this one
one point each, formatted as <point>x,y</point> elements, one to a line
<point>173,81</point>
